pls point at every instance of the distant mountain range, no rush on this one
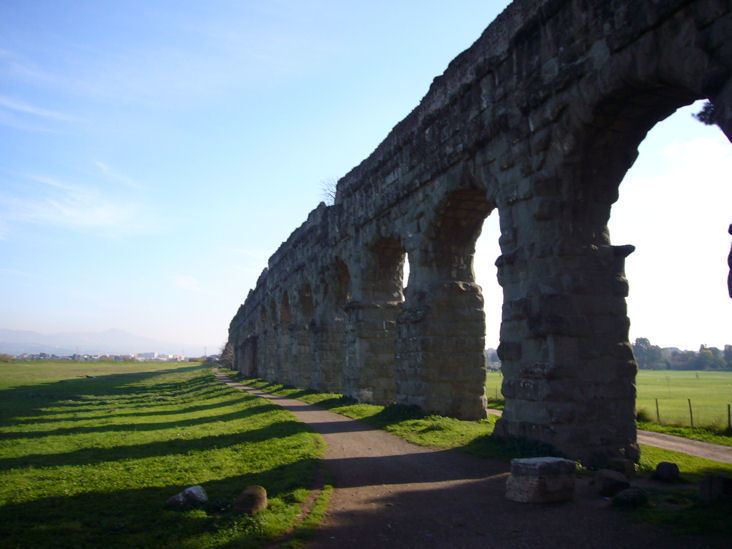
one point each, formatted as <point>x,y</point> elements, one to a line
<point>117,342</point>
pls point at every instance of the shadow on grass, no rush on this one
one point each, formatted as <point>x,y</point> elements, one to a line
<point>137,517</point>
<point>180,411</point>
<point>31,402</point>
<point>140,427</point>
<point>89,456</point>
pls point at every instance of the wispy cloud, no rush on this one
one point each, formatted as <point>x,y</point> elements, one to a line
<point>116,176</point>
<point>190,283</point>
<point>9,271</point>
<point>24,107</point>
<point>54,202</point>
<point>210,55</point>
<point>187,282</point>
<point>10,120</point>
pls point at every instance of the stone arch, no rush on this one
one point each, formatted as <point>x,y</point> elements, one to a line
<point>442,330</point>
<point>304,343</point>
<point>264,331</point>
<point>382,268</point>
<point>531,113</point>
<point>342,283</point>
<point>307,303</point>
<point>570,380</point>
<point>455,230</point>
<point>370,372</point>
<point>248,353</point>
<point>275,329</point>
<point>285,310</point>
<point>331,324</point>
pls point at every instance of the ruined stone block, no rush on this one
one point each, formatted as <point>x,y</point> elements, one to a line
<point>541,480</point>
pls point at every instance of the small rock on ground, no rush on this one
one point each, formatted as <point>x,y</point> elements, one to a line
<point>610,482</point>
<point>667,472</point>
<point>252,500</point>
<point>193,496</point>
<point>631,497</point>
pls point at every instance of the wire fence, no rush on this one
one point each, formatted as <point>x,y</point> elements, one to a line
<point>687,398</point>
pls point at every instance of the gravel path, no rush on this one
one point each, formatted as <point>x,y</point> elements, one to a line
<point>707,450</point>
<point>390,493</point>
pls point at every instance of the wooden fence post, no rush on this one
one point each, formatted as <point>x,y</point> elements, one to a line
<point>691,414</point>
<point>658,415</point>
<point>729,417</point>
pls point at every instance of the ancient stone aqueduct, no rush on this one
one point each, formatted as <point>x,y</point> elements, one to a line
<point>537,123</point>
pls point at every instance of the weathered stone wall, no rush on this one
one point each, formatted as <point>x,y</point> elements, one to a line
<point>537,122</point>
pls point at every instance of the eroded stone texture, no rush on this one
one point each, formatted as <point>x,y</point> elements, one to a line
<point>537,122</point>
<point>541,480</point>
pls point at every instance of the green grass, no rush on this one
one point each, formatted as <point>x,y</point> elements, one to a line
<point>90,461</point>
<point>678,506</point>
<point>704,434</point>
<point>709,393</point>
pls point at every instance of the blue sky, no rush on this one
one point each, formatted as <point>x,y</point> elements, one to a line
<point>156,153</point>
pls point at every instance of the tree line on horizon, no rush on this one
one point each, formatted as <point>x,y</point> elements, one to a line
<point>653,357</point>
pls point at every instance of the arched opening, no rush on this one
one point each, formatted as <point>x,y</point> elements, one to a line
<point>569,379</point>
<point>264,333</point>
<point>487,251</point>
<point>304,339</point>
<point>370,366</point>
<point>455,232</point>
<point>674,207</point>
<point>307,305</point>
<point>273,312</point>
<point>285,311</point>
<point>384,271</point>
<point>331,347</point>
<point>285,343</point>
<point>442,331</point>
<point>272,367</point>
<point>342,284</point>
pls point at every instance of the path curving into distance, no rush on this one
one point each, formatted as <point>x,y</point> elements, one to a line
<point>715,452</point>
<point>390,493</point>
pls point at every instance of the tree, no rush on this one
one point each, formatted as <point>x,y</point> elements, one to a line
<point>649,357</point>
<point>708,358</point>
<point>328,189</point>
<point>707,115</point>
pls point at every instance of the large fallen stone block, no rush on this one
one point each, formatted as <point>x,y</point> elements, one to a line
<point>541,480</point>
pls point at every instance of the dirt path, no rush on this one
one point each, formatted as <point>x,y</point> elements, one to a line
<point>390,493</point>
<point>707,450</point>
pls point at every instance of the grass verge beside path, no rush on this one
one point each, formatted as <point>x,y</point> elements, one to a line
<point>413,425</point>
<point>90,461</point>
<point>473,437</point>
<point>701,434</point>
<point>671,506</point>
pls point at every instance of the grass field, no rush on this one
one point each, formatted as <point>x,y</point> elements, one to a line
<point>90,461</point>
<point>710,392</point>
